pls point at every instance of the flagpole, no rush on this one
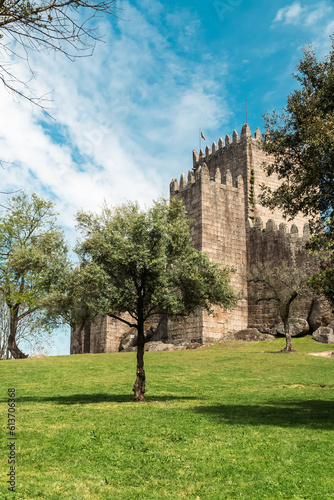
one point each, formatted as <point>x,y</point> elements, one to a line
<point>200,143</point>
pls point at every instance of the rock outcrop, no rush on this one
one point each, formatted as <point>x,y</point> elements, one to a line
<point>249,335</point>
<point>324,334</point>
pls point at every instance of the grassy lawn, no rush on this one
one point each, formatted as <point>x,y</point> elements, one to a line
<point>231,421</point>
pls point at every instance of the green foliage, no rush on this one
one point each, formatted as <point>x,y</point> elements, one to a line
<point>33,256</point>
<point>143,263</point>
<point>32,250</point>
<point>323,281</point>
<point>237,420</point>
<point>301,141</point>
<point>251,198</point>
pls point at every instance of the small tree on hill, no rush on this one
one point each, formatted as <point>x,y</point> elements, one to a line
<point>283,284</point>
<point>143,263</point>
<point>33,260</point>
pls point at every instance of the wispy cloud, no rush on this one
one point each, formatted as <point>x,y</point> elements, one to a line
<point>315,20</point>
<point>292,14</point>
<point>306,15</point>
<point>125,120</point>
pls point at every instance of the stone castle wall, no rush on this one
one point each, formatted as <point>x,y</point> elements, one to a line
<point>243,156</point>
<point>273,245</point>
<point>221,195</point>
<point>103,335</point>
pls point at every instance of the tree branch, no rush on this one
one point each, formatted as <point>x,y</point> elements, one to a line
<point>119,318</point>
<point>60,26</point>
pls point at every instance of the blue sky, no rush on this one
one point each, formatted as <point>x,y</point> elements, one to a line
<point>125,121</point>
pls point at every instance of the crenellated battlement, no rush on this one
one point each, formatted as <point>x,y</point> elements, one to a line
<point>271,226</point>
<point>225,147</point>
<point>202,174</point>
<point>238,158</point>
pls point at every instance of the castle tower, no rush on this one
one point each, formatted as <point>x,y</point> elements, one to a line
<point>221,196</point>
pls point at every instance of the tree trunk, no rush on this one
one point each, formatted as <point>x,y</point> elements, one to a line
<point>285,318</point>
<point>12,347</point>
<point>139,385</point>
<point>288,347</point>
<point>3,350</point>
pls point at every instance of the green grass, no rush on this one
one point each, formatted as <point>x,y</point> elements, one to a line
<point>235,420</point>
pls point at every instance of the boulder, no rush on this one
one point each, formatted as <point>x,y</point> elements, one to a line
<point>249,335</point>
<point>161,346</point>
<point>129,340</point>
<point>324,334</point>
<point>320,315</point>
<point>157,333</point>
<point>192,345</point>
<point>297,327</point>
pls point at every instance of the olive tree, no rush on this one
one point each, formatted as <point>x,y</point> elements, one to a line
<point>142,262</point>
<point>283,283</point>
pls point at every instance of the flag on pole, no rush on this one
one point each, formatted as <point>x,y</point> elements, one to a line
<point>202,135</point>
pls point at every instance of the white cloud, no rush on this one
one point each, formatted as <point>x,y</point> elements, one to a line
<point>316,20</point>
<point>329,30</point>
<point>314,16</point>
<point>306,15</point>
<point>291,14</point>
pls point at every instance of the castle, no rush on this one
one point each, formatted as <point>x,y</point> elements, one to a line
<point>221,196</point>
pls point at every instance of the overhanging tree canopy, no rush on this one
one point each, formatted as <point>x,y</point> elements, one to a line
<point>56,25</point>
<point>143,263</point>
<point>302,142</point>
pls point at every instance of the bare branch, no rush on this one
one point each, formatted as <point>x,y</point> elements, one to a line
<point>53,25</point>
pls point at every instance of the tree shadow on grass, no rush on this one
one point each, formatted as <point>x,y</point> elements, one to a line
<point>316,414</point>
<point>83,399</point>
